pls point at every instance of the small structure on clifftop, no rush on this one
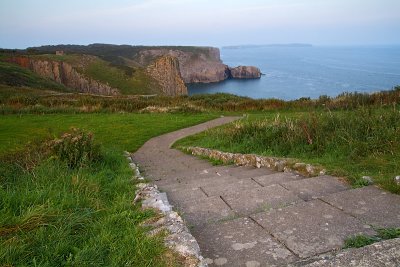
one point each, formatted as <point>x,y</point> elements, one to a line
<point>59,53</point>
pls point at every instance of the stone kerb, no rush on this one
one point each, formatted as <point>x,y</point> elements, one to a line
<point>178,236</point>
<point>252,160</point>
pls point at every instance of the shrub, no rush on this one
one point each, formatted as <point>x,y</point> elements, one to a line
<point>76,148</point>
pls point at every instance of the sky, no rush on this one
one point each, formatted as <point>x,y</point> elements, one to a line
<point>25,23</point>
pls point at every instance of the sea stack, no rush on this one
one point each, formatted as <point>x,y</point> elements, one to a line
<point>245,72</point>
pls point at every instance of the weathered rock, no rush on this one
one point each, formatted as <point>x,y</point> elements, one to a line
<point>397,180</point>
<point>368,180</point>
<point>64,73</point>
<point>245,72</point>
<point>385,253</point>
<point>165,70</point>
<point>202,65</point>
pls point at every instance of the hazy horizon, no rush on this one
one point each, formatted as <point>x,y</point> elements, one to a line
<point>25,23</point>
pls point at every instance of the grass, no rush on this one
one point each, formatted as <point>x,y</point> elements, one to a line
<point>35,101</point>
<point>56,215</point>
<point>119,131</point>
<point>129,81</point>
<point>362,142</point>
<point>14,75</point>
<point>359,241</point>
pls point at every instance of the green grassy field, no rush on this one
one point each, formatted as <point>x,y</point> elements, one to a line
<point>55,215</point>
<point>117,131</point>
<point>362,142</point>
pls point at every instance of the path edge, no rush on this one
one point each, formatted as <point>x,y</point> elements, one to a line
<point>178,238</point>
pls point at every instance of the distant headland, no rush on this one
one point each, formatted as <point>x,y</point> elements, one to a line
<point>266,45</point>
<point>125,69</point>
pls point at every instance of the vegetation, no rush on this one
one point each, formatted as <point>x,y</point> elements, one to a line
<point>66,198</point>
<point>128,80</point>
<point>20,100</point>
<point>359,241</point>
<point>67,201</point>
<point>14,75</point>
<point>116,54</point>
<point>362,142</point>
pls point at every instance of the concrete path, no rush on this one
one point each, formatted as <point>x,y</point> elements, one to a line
<point>252,217</point>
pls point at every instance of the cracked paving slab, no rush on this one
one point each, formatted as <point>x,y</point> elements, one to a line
<point>311,228</point>
<point>241,242</point>
<point>312,188</point>
<point>370,204</point>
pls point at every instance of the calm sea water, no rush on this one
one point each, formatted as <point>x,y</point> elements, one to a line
<point>294,72</point>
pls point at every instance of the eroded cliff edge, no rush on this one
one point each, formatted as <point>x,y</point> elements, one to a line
<point>65,74</point>
<point>129,69</point>
<point>165,70</point>
<point>202,65</point>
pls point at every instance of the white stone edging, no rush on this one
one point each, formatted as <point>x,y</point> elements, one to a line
<point>178,236</point>
<point>253,160</point>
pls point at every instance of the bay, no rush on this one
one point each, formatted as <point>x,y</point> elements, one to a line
<point>310,71</point>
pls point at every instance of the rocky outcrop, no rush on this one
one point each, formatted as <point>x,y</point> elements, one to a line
<point>245,72</point>
<point>165,70</point>
<point>65,74</point>
<point>201,65</point>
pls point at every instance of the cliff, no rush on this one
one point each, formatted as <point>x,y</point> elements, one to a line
<point>144,73</point>
<point>202,65</point>
<point>245,72</point>
<point>65,74</point>
<point>165,70</point>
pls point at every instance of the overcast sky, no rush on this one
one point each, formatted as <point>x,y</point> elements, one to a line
<point>26,23</point>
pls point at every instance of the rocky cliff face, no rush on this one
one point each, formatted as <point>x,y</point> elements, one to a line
<point>202,65</point>
<point>165,70</point>
<point>245,72</point>
<point>64,73</point>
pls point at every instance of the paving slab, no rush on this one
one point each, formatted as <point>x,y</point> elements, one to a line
<point>230,188</point>
<point>385,253</point>
<point>196,183</point>
<point>249,172</point>
<point>202,211</point>
<point>260,199</point>
<point>312,188</point>
<point>370,204</point>
<point>275,237</point>
<point>312,227</point>
<point>240,242</point>
<point>277,178</point>
<point>190,174</point>
<point>188,194</point>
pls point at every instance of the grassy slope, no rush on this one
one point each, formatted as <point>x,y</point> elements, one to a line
<point>129,82</point>
<point>55,216</point>
<point>348,143</point>
<point>13,75</point>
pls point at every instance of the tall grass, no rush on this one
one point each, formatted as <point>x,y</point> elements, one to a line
<point>353,143</point>
<point>16,100</point>
<point>69,205</point>
<point>55,215</point>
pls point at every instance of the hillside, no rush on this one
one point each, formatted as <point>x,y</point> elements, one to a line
<point>14,75</point>
<point>129,70</point>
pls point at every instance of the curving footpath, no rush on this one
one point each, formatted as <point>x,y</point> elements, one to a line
<point>251,217</point>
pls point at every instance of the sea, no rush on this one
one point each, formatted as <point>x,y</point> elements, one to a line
<point>293,72</point>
